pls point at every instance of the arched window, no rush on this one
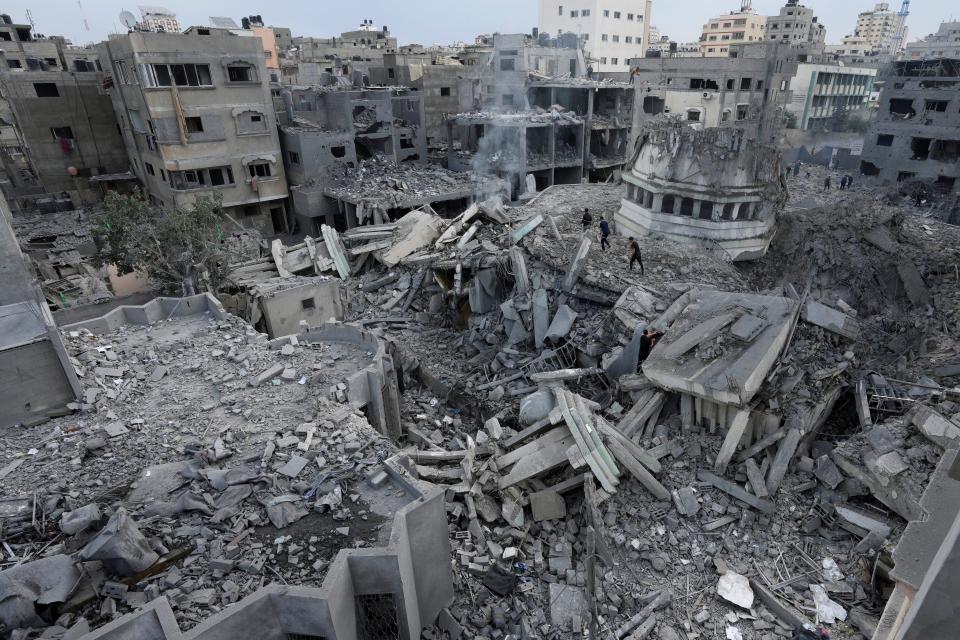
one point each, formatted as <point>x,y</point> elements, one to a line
<point>667,205</point>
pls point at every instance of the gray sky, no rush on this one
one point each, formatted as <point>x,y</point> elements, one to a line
<point>431,21</point>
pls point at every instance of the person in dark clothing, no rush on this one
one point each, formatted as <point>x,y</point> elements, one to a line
<point>826,183</point>
<point>843,182</point>
<point>648,341</point>
<point>849,181</point>
<point>604,234</point>
<point>587,219</point>
<point>635,255</point>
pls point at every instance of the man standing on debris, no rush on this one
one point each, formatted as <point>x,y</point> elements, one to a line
<point>587,219</point>
<point>826,183</point>
<point>604,234</point>
<point>635,255</point>
<point>647,342</point>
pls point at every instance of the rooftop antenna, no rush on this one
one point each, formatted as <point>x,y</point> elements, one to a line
<point>30,19</point>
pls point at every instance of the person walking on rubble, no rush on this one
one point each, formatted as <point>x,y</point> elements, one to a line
<point>849,181</point>
<point>826,183</point>
<point>604,234</point>
<point>635,255</point>
<point>587,220</point>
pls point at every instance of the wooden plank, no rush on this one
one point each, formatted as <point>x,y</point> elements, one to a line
<point>734,490</point>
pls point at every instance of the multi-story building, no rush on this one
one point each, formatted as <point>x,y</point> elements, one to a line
<point>198,119</point>
<point>945,43</point>
<point>613,31</point>
<point>854,51</point>
<point>916,135</point>
<point>878,28</point>
<point>158,19</point>
<point>360,50</point>
<point>824,96</point>
<point>796,25</point>
<point>737,27</point>
<point>60,128</point>
<point>748,90</point>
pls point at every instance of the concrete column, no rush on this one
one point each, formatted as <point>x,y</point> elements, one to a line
<point>657,206</point>
<point>696,209</point>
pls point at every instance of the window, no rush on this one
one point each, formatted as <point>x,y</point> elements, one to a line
<point>506,99</point>
<point>629,16</point>
<point>256,118</point>
<point>240,73</point>
<point>183,180</point>
<point>585,13</point>
<point>444,92</point>
<point>606,13</point>
<point>604,37</point>
<point>391,73</point>
<point>308,303</point>
<point>613,60</point>
<point>560,10</point>
<point>616,15</point>
<point>693,115</point>
<point>180,75</point>
<point>507,64</point>
<point>194,124</point>
<point>745,84</point>
<point>294,157</point>
<point>46,90</point>
<point>936,105</point>
<point>61,132</point>
<point>150,170</point>
<point>14,64</point>
<point>628,39</point>
<point>742,111</point>
<point>715,25</point>
<point>616,38</point>
<point>603,60</point>
<point>574,14</point>
<point>220,176</point>
<point>259,170</point>
<point>51,62</point>
<point>5,35</point>
<point>884,140</point>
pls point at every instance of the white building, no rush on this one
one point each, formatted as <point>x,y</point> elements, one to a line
<point>796,25</point>
<point>614,30</point>
<point>158,19</point>
<point>945,43</point>
<point>879,28</point>
<point>736,27</point>
<point>821,92</point>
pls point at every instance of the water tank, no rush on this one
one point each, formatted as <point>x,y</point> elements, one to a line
<point>569,40</point>
<point>244,22</point>
<point>544,39</point>
<point>535,33</point>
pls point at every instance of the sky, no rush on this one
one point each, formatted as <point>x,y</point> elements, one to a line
<point>431,21</point>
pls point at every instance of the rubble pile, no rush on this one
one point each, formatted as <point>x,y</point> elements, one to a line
<point>231,459</point>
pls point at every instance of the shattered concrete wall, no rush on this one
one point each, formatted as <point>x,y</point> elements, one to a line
<point>916,135</point>
<point>314,303</point>
<point>712,187</point>
<point>411,575</point>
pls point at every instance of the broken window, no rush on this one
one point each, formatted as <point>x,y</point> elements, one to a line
<point>653,105</point>
<point>745,84</point>
<point>308,303</point>
<point>731,84</point>
<point>14,64</point>
<point>742,111</point>
<point>693,115</point>
<point>181,75</point>
<point>338,152</point>
<point>507,99</point>
<point>902,107</point>
<point>194,124</point>
<point>294,157</point>
<point>869,169</point>
<point>884,140</point>
<point>220,176</point>
<point>61,132</point>
<point>46,89</point>
<point>192,179</point>
<point>920,148</point>
<point>377,616</point>
<point>149,168</point>
<point>706,210</point>
<point>259,170</point>
<point>727,211</point>
<point>936,105</point>
<point>444,92</point>
<point>686,206</point>
<point>703,83</point>
<point>240,73</point>
<point>507,64</point>
<point>945,150</point>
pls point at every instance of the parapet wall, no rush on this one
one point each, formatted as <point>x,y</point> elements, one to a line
<point>406,583</point>
<point>153,311</point>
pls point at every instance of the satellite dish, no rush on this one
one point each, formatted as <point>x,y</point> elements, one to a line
<point>128,19</point>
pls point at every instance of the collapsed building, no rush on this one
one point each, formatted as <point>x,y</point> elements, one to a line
<point>714,187</point>
<point>915,134</point>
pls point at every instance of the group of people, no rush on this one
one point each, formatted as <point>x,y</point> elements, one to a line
<point>846,182</point>
<point>635,256</point>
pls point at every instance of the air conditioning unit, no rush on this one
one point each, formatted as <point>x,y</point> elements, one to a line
<point>707,95</point>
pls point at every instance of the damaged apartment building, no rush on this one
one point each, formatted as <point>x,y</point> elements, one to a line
<point>532,117</point>
<point>306,59</point>
<point>198,119</point>
<point>358,156</point>
<point>749,90</point>
<point>63,130</point>
<point>916,135</point>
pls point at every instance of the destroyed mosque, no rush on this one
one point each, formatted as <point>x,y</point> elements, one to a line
<point>574,333</point>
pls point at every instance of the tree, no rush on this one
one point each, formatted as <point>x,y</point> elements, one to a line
<point>181,250</point>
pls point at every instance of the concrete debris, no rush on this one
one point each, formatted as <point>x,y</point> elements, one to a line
<point>735,588</point>
<point>121,546</point>
<point>828,611</point>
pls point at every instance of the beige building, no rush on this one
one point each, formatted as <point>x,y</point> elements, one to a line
<point>796,25</point>
<point>197,118</point>
<point>737,27</point>
<point>878,28</point>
